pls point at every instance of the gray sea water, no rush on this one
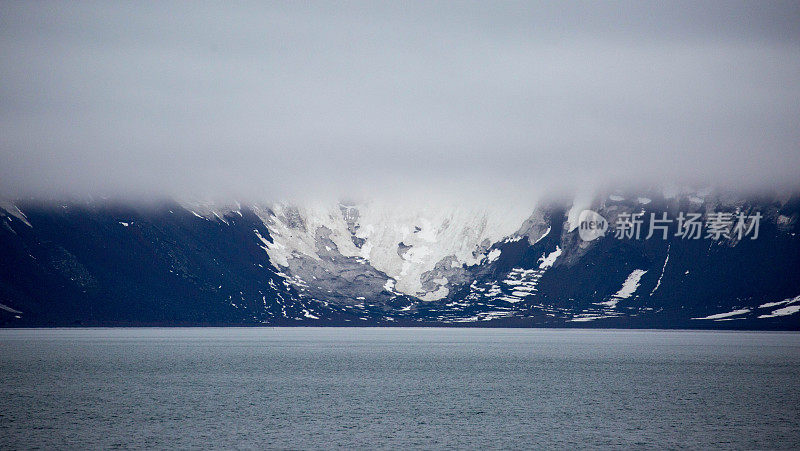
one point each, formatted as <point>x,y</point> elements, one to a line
<point>397,388</point>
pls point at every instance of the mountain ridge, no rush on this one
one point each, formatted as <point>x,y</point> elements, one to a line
<point>115,263</point>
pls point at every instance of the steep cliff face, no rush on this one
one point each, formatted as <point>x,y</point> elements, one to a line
<point>382,263</point>
<point>98,263</point>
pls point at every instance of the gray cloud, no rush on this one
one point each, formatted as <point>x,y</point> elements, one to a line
<point>285,99</point>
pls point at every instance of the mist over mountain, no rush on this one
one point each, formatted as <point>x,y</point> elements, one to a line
<point>285,100</point>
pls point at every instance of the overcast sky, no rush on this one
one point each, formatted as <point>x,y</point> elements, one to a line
<point>268,100</point>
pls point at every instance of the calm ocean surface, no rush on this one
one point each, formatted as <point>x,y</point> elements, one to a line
<point>397,388</point>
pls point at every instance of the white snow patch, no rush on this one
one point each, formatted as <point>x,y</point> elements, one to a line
<point>493,255</point>
<point>308,314</point>
<point>124,224</point>
<point>510,299</point>
<point>14,211</point>
<point>629,286</point>
<point>389,285</point>
<point>495,314</point>
<point>484,316</point>
<point>434,295</point>
<point>211,210</point>
<point>785,301</point>
<point>663,268</point>
<point>547,262</point>
<point>727,314</point>
<point>266,245</point>
<point>790,310</point>
<point>546,232</point>
<point>220,217</point>
<point>584,317</point>
<point>521,281</point>
<point>616,198</point>
<point>9,309</point>
<point>644,200</point>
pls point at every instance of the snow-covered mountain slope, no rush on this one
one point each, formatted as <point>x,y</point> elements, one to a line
<point>421,250</point>
<point>379,263</point>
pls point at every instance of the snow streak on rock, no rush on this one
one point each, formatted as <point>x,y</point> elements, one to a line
<point>629,287</point>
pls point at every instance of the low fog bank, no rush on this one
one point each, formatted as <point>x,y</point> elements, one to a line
<point>468,100</point>
<point>500,196</point>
